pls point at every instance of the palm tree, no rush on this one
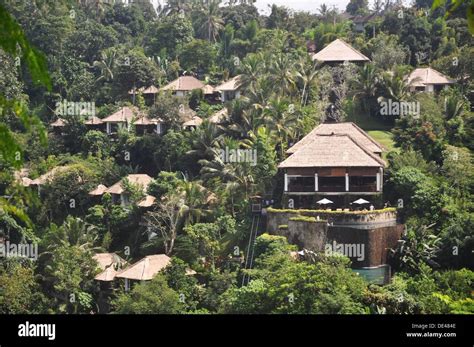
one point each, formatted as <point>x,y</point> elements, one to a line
<point>241,118</point>
<point>419,246</point>
<point>204,139</point>
<point>236,177</point>
<point>211,20</point>
<point>251,69</point>
<point>175,7</point>
<point>260,93</point>
<point>73,232</point>
<point>454,106</point>
<point>306,74</point>
<point>282,73</point>
<point>106,65</point>
<point>365,84</point>
<point>279,118</point>
<point>396,85</point>
<point>195,197</point>
<point>323,11</point>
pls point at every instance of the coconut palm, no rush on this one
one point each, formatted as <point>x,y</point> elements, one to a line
<point>204,139</point>
<point>195,198</point>
<point>455,105</point>
<point>210,19</point>
<point>323,10</point>
<point>251,69</point>
<point>306,75</point>
<point>73,232</point>
<point>365,84</point>
<point>282,73</point>
<point>175,7</point>
<point>237,178</point>
<point>396,85</point>
<point>279,116</point>
<point>241,118</point>
<point>106,65</point>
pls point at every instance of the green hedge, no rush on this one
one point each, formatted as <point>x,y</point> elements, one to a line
<point>275,210</point>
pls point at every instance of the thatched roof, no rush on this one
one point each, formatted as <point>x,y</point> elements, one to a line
<point>110,263</point>
<point>208,89</point>
<point>339,50</point>
<point>142,180</point>
<point>99,190</point>
<point>186,113</point>
<point>143,90</point>
<point>347,128</point>
<point>148,121</point>
<point>94,121</point>
<point>219,116</point>
<point>195,121</point>
<point>148,201</point>
<point>184,83</point>
<point>106,259</point>
<point>107,275</point>
<point>146,268</point>
<point>125,115</point>
<point>232,84</point>
<point>25,181</point>
<point>58,123</point>
<point>190,272</point>
<point>423,76</point>
<point>48,176</point>
<point>332,151</point>
<point>21,176</point>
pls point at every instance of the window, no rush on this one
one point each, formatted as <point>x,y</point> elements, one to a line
<point>301,184</point>
<point>332,184</point>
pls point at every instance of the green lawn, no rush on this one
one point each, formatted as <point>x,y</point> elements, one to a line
<point>383,137</point>
<point>377,129</point>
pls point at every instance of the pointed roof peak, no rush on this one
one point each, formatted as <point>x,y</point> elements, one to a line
<point>339,51</point>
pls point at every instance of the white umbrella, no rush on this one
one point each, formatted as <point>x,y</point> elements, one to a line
<point>324,201</point>
<point>361,202</point>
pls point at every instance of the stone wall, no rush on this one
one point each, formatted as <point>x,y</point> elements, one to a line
<point>377,242</point>
<point>353,219</point>
<point>304,234</point>
<point>374,232</point>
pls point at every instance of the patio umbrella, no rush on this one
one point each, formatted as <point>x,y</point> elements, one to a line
<point>361,202</point>
<point>324,201</point>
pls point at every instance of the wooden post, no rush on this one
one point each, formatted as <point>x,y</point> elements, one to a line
<point>379,180</point>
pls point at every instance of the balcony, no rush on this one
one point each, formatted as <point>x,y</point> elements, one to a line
<point>304,185</point>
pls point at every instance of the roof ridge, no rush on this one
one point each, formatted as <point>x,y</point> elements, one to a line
<point>368,136</point>
<point>347,45</point>
<point>352,48</point>
<point>373,156</point>
<point>308,149</point>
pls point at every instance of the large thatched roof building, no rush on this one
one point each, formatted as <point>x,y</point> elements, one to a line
<point>337,160</point>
